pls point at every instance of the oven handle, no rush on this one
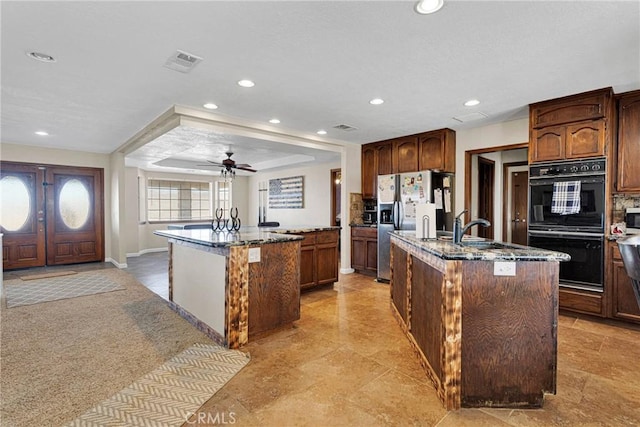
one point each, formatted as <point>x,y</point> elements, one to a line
<point>535,181</point>
<point>568,234</point>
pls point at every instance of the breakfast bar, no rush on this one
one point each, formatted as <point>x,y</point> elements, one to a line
<point>482,317</point>
<point>234,285</point>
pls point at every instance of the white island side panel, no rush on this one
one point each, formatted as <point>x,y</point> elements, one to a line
<point>199,285</point>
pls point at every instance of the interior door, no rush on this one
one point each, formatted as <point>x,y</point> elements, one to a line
<point>75,231</point>
<point>22,215</point>
<point>486,173</point>
<point>519,211</point>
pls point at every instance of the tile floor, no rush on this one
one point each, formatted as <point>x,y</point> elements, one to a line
<point>346,362</point>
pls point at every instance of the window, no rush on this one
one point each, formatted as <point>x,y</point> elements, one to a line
<point>223,197</point>
<point>178,200</point>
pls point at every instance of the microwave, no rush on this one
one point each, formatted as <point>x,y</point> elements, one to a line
<point>632,219</point>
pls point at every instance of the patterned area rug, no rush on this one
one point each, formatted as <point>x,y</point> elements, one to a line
<point>20,292</point>
<point>169,395</point>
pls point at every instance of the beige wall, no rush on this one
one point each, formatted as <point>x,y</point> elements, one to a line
<point>317,196</point>
<point>497,135</point>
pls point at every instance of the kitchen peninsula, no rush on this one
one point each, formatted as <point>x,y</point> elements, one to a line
<point>238,285</point>
<point>482,317</point>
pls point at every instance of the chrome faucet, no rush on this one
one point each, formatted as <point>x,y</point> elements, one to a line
<point>458,230</point>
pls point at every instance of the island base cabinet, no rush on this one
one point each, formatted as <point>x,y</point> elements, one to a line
<point>483,340</point>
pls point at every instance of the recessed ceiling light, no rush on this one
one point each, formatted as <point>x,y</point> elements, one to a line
<point>246,83</point>
<point>210,106</point>
<point>322,132</point>
<point>425,7</point>
<point>471,103</point>
<point>274,121</point>
<point>42,133</point>
<point>38,56</point>
<point>376,101</point>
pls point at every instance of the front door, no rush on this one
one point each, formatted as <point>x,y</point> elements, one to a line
<point>51,215</point>
<point>519,191</point>
<point>22,216</point>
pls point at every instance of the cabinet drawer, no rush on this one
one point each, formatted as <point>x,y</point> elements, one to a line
<point>309,239</point>
<point>327,236</point>
<point>366,232</point>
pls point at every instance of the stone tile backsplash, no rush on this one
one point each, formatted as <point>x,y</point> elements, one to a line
<point>621,202</point>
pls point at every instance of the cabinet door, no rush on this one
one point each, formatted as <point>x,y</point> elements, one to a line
<point>385,158</point>
<point>585,139</point>
<point>327,263</point>
<point>307,266</point>
<point>431,148</point>
<point>406,155</point>
<point>625,305</point>
<point>369,172</point>
<point>629,143</point>
<point>547,144</point>
<point>372,255</point>
<point>358,253</point>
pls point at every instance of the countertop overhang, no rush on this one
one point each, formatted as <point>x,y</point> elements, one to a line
<point>221,239</point>
<point>448,250</point>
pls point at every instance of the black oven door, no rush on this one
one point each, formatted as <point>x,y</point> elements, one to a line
<point>590,219</point>
<point>585,270</point>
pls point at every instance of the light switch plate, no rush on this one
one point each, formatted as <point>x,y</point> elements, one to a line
<point>254,254</point>
<point>504,268</point>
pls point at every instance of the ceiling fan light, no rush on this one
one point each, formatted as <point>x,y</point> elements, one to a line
<point>425,7</point>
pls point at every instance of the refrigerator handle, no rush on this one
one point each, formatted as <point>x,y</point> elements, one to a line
<point>396,219</point>
<point>400,215</point>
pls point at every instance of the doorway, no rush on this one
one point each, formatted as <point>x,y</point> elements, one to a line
<point>336,184</point>
<point>486,179</point>
<point>51,215</point>
<point>515,213</point>
<point>501,155</point>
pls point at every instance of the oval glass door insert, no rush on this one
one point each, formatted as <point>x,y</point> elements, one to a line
<point>74,204</point>
<point>16,203</point>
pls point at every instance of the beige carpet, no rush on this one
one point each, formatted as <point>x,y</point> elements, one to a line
<point>52,288</point>
<point>62,358</point>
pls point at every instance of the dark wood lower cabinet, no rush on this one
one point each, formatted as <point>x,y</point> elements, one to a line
<point>319,253</point>
<point>580,301</point>
<point>364,250</point>
<point>623,300</point>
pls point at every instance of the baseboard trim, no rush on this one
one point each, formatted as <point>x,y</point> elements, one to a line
<point>347,270</point>
<point>114,262</point>
<point>147,251</point>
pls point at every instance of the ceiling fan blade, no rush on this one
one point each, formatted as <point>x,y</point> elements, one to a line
<point>245,168</point>
<point>215,163</point>
<point>242,165</point>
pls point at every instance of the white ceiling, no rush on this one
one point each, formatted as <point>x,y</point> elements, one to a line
<point>315,64</point>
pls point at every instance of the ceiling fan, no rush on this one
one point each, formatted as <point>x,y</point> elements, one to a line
<point>229,165</point>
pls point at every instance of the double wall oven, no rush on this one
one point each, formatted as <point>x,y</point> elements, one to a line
<point>581,233</point>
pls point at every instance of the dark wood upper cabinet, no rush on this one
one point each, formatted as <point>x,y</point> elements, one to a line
<point>369,171</point>
<point>572,127</point>
<point>437,150</point>
<point>629,142</point>
<point>385,158</point>
<point>406,158</point>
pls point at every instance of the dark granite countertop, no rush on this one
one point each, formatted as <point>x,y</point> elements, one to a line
<point>446,249</point>
<point>246,236</point>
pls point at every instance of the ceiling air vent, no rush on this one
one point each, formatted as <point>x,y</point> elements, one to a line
<point>344,127</point>
<point>470,117</point>
<point>182,61</point>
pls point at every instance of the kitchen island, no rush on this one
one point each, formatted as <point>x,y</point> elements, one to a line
<point>481,316</point>
<point>234,285</point>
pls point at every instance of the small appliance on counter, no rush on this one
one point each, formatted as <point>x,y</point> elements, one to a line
<point>370,212</point>
<point>632,220</point>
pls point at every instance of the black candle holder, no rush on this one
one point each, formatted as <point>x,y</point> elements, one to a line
<point>221,224</point>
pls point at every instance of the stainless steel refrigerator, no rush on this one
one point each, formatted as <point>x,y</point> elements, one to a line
<point>397,198</point>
